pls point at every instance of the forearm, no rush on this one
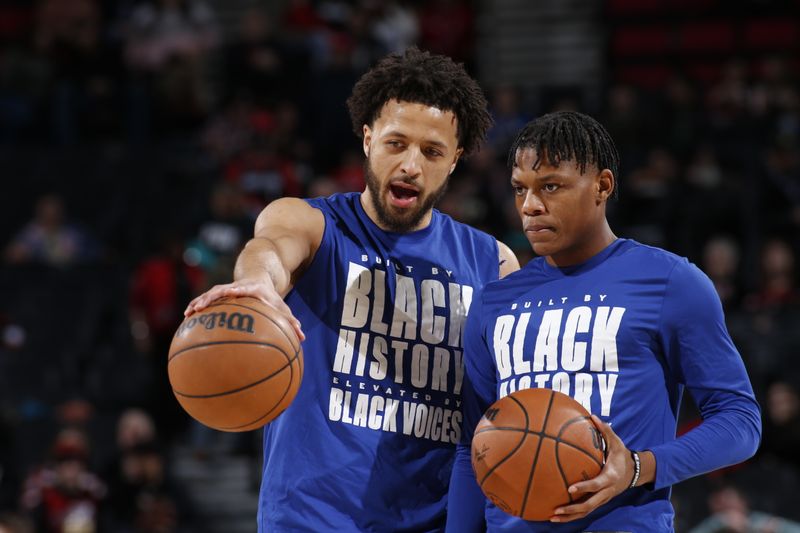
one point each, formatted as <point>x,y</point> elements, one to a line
<point>728,437</point>
<point>260,259</point>
<point>465,501</point>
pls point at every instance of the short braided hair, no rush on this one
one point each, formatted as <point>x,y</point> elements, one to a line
<point>568,136</point>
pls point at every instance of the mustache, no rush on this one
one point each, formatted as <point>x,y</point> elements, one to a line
<point>405,178</point>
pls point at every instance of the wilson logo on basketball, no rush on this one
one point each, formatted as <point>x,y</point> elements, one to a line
<point>234,321</point>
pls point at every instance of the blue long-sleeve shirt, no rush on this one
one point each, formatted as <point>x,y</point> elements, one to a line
<point>623,333</point>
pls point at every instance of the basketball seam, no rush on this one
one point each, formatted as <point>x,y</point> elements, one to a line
<point>253,309</point>
<point>289,362</point>
<point>262,380</point>
<point>512,452</point>
<point>211,343</point>
<point>558,440</point>
<point>542,435</point>
<point>285,392</point>
<point>536,455</point>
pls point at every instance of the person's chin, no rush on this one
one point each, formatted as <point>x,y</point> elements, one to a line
<point>542,248</point>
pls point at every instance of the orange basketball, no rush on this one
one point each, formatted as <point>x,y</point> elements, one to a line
<point>235,365</point>
<point>530,446</point>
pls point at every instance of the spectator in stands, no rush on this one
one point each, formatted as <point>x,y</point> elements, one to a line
<point>649,216</point>
<point>779,192</point>
<point>781,440</point>
<point>160,284</point>
<point>261,173</point>
<point>627,120</point>
<point>711,200</point>
<point>678,117</point>
<point>367,46</point>
<point>447,27</point>
<point>330,124</point>
<point>63,495</point>
<point>84,70</point>
<point>143,498</point>
<point>721,264</point>
<point>259,65</point>
<point>167,42</point>
<point>15,523</point>
<point>777,289</point>
<point>393,24</point>
<point>508,117</point>
<point>731,513</point>
<point>222,234</point>
<point>50,239</point>
<point>300,17</point>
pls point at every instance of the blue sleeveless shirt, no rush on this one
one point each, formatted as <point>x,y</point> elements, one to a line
<point>369,441</point>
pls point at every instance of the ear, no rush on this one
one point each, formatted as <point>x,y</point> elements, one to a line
<point>367,139</point>
<point>606,182</point>
<point>455,160</point>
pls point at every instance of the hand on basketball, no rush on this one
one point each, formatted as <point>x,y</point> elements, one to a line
<point>613,479</point>
<point>261,289</point>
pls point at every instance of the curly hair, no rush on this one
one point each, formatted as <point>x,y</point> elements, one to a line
<point>424,78</point>
<point>568,136</point>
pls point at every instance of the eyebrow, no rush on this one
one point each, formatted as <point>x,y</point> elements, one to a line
<point>552,175</point>
<point>395,133</point>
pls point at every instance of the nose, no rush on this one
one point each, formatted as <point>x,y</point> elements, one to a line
<point>411,164</point>
<point>532,205</point>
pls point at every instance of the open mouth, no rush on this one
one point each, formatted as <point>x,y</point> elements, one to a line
<point>402,194</point>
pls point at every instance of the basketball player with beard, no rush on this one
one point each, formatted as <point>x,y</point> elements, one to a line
<point>382,283</point>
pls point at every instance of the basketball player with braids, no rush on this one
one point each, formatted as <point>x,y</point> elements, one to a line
<point>620,326</point>
<point>381,282</point>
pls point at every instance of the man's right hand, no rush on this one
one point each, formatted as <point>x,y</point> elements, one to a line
<point>261,289</point>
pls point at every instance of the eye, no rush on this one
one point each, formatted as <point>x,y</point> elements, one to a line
<point>431,152</point>
<point>518,190</point>
<point>394,144</point>
<point>551,187</point>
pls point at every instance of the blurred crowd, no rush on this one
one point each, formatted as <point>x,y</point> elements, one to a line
<point>144,136</point>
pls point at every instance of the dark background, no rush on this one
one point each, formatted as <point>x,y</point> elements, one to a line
<point>139,140</point>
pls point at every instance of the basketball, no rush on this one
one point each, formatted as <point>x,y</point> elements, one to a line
<point>235,365</point>
<point>530,446</point>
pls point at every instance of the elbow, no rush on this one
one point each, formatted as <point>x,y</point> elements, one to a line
<point>755,431</point>
<point>750,431</point>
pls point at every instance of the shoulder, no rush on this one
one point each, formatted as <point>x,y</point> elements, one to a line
<point>504,290</point>
<point>339,204</point>
<point>651,260</point>
<point>292,214</point>
<point>680,274</point>
<point>288,207</point>
<point>649,254</point>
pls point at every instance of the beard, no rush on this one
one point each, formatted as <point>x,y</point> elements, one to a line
<point>392,219</point>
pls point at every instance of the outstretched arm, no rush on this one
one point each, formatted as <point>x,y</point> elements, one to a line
<point>287,234</point>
